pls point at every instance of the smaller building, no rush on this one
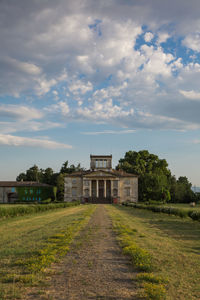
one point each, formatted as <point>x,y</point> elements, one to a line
<point>24,191</point>
<point>101,184</point>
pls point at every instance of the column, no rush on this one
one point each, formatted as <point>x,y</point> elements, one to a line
<point>90,188</point>
<point>97,187</point>
<point>111,187</point>
<point>104,188</point>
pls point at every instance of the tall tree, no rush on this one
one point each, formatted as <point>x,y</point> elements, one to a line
<point>153,173</point>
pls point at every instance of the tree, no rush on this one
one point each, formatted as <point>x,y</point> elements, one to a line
<point>183,191</point>
<point>47,176</point>
<point>60,187</point>
<point>154,175</point>
<point>21,177</point>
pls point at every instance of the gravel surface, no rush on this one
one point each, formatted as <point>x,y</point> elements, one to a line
<point>94,268</point>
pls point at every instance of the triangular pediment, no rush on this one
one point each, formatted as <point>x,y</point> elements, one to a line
<point>100,174</point>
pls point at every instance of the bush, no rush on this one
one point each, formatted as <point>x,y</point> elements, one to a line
<point>14,211</point>
<point>149,277</point>
<point>193,214</point>
<point>140,257</point>
<point>154,291</point>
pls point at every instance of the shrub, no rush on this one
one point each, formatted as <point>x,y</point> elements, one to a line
<point>150,278</point>
<point>154,291</point>
<point>193,214</point>
<point>140,257</point>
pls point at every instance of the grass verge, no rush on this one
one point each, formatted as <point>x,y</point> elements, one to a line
<point>173,246</point>
<point>30,244</point>
<point>10,211</point>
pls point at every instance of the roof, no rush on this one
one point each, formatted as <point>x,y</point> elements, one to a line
<point>23,183</point>
<point>100,156</point>
<point>118,173</point>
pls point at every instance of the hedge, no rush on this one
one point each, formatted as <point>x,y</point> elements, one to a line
<point>193,214</point>
<point>14,211</point>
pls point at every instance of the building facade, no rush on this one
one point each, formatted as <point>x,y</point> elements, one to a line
<point>101,184</point>
<point>24,191</point>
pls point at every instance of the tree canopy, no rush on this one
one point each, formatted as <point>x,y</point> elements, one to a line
<point>155,179</point>
<point>48,176</point>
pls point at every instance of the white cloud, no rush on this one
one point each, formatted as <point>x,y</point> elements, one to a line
<point>19,112</point>
<point>148,37</point>
<point>103,112</point>
<point>18,141</point>
<point>191,94</point>
<point>192,41</point>
<point>163,37</point>
<point>109,132</point>
<point>60,107</point>
<point>79,87</point>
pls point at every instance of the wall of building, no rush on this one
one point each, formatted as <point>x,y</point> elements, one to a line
<point>128,189</point>
<point>73,189</point>
<point>4,191</point>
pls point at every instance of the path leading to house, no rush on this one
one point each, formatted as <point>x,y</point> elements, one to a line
<point>95,268</point>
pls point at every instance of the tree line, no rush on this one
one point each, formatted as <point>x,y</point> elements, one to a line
<point>156,181</point>
<point>50,177</point>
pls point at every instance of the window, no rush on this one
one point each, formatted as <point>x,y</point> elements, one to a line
<point>25,191</point>
<point>115,193</point>
<point>73,181</point>
<point>74,192</point>
<point>96,163</point>
<point>105,163</point>
<point>127,191</point>
<point>101,163</point>
<point>127,181</point>
<point>86,192</point>
<point>13,190</point>
<point>115,183</point>
<point>31,191</point>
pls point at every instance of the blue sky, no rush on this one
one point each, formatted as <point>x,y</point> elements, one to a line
<point>95,77</point>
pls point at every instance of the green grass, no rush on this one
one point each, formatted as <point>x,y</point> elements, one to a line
<point>10,211</point>
<point>29,244</point>
<point>174,246</point>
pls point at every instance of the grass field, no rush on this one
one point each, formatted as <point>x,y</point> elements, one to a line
<point>29,244</point>
<point>172,242</point>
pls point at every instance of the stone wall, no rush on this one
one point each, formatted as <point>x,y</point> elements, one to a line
<point>129,189</point>
<point>73,189</point>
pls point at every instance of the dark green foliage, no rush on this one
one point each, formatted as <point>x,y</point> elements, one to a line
<point>49,177</point>
<point>155,179</point>
<point>153,174</point>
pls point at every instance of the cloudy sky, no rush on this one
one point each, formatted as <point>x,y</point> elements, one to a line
<point>88,77</point>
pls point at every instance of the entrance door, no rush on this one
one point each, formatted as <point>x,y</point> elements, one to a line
<point>101,188</point>
<point>94,188</point>
<point>108,188</point>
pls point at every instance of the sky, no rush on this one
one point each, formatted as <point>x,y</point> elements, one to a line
<point>88,77</point>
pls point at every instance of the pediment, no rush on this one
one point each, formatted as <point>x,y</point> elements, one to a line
<point>100,174</point>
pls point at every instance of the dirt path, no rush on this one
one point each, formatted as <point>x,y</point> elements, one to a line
<point>94,268</point>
